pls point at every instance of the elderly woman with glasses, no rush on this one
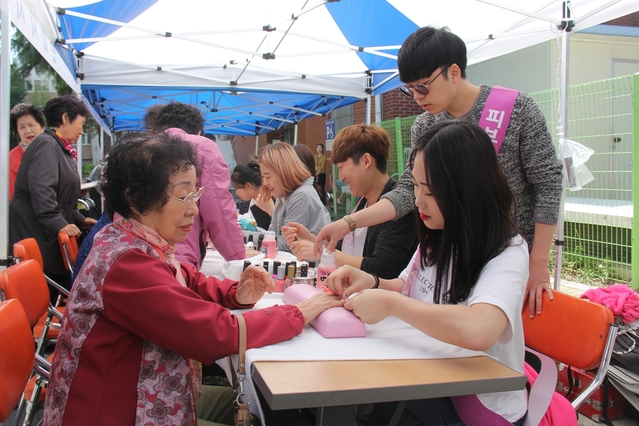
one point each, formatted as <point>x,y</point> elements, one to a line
<point>137,323</point>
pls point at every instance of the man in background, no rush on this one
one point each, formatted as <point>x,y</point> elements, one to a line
<point>217,218</point>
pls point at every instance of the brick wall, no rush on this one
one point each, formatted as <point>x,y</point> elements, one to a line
<point>631,20</point>
<point>310,131</point>
<point>397,105</point>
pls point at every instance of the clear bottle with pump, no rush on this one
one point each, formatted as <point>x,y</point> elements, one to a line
<point>270,244</point>
<point>326,267</point>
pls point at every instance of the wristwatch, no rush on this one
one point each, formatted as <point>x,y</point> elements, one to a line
<point>351,222</point>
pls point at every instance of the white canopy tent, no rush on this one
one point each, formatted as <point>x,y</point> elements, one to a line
<point>253,66</point>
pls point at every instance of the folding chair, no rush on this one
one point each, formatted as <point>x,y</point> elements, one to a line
<point>28,249</point>
<point>69,249</point>
<point>575,332</point>
<point>16,355</point>
<point>25,282</point>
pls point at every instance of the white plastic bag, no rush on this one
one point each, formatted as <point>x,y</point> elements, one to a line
<point>575,156</point>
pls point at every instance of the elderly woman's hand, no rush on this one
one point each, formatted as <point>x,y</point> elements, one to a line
<point>317,304</point>
<point>71,230</point>
<point>254,282</point>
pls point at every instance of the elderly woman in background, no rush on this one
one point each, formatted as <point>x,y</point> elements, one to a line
<point>28,122</point>
<point>47,186</point>
<point>137,320</point>
<point>290,182</point>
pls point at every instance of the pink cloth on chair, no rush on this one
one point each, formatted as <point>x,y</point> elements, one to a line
<point>621,299</point>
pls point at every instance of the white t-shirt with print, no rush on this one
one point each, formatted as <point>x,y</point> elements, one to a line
<point>501,283</point>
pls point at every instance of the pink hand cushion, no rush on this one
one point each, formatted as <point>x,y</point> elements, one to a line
<point>333,322</point>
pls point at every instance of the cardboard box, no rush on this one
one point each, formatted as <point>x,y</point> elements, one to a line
<point>592,406</point>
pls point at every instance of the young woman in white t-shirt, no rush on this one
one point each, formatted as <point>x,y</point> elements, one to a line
<point>466,281</point>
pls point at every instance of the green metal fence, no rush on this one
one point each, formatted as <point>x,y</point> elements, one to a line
<point>599,217</point>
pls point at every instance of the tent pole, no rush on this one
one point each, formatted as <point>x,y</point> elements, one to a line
<point>295,134</point>
<point>369,109</point>
<point>5,90</point>
<point>257,140</point>
<point>78,147</point>
<point>563,134</point>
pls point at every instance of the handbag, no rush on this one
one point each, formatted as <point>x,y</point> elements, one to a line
<point>243,416</point>
<point>626,349</point>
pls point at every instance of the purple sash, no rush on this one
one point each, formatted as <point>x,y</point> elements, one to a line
<point>496,114</point>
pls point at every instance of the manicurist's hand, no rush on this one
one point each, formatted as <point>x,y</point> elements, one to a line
<point>296,230</point>
<point>372,306</point>
<point>333,232</point>
<point>346,281</point>
<point>303,250</point>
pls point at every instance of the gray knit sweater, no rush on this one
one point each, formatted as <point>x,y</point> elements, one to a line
<point>527,155</point>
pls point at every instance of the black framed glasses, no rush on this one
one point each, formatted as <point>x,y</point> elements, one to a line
<point>191,196</point>
<point>422,89</point>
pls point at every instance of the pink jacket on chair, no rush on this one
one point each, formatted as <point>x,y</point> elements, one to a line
<point>218,213</point>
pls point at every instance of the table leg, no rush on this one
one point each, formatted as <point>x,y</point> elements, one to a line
<point>344,415</point>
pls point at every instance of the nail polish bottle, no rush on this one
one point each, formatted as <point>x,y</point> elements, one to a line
<point>276,266</point>
<point>280,281</point>
<point>304,270</point>
<point>290,276</point>
<point>312,272</point>
<point>247,263</point>
<point>260,239</point>
<point>266,265</point>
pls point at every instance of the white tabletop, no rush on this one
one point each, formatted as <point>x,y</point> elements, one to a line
<point>390,339</point>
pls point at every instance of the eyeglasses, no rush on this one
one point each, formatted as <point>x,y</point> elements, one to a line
<point>422,89</point>
<point>191,196</point>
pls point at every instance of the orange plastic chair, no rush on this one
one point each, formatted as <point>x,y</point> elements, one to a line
<point>28,249</point>
<point>25,282</point>
<point>575,332</point>
<point>17,355</point>
<point>69,248</point>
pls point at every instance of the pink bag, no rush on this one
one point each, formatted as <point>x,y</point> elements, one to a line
<point>545,406</point>
<point>559,412</point>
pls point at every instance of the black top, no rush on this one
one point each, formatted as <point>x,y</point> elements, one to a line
<point>46,198</point>
<point>262,218</point>
<point>389,246</point>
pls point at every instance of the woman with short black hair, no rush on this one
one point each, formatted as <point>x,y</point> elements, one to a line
<point>47,187</point>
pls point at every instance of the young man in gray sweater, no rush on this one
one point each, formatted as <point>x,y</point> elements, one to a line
<point>432,62</point>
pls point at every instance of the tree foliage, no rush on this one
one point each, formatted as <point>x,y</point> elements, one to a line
<point>28,59</point>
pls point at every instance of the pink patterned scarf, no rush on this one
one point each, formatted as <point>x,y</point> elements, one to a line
<point>67,146</point>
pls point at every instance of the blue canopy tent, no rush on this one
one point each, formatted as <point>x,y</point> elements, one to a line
<point>253,65</point>
<point>268,76</point>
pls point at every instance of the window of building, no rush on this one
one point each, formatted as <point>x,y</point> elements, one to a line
<point>343,117</point>
<point>28,85</point>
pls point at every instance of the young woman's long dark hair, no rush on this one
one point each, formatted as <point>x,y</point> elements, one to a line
<point>475,201</point>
